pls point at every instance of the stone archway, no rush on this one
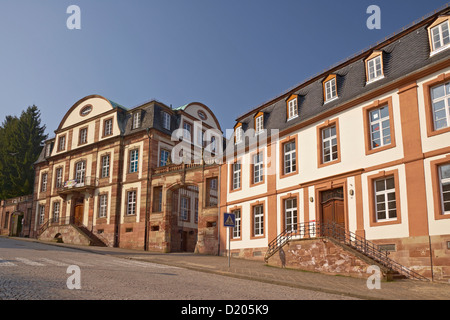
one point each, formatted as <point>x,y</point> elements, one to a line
<point>182,211</point>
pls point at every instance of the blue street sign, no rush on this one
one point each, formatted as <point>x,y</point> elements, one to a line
<point>229,220</point>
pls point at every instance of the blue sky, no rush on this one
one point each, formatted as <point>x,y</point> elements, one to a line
<point>231,55</point>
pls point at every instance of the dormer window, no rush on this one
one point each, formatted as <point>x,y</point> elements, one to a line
<point>48,150</point>
<point>259,122</point>
<point>292,107</point>
<point>438,34</point>
<point>238,133</point>
<point>166,120</point>
<point>136,120</point>
<point>374,67</point>
<point>330,88</point>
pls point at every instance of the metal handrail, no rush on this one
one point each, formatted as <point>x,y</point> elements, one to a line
<point>343,236</point>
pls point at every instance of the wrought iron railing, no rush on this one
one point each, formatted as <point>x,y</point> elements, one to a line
<point>344,237</point>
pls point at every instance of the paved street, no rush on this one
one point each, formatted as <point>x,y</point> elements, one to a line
<point>31,270</point>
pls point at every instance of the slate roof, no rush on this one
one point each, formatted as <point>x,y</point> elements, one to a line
<point>406,54</point>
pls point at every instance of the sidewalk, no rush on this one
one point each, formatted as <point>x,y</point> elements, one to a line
<point>258,271</point>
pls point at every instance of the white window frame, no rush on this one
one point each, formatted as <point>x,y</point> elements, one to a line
<point>108,127</point>
<point>330,90</point>
<point>62,143</point>
<point>440,37</point>
<point>292,108</point>
<point>41,209</point>
<point>136,120</point>
<point>131,203</point>
<point>259,124</point>
<point>184,208</point>
<point>291,214</point>
<point>290,157</point>
<point>105,166</point>
<point>134,161</point>
<point>237,169</point>
<point>80,172</point>
<point>56,211</point>
<point>383,123</point>
<point>48,149</point>
<point>166,120</point>
<point>237,225</point>
<point>331,140</point>
<point>384,197</point>
<point>374,69</point>
<point>258,220</point>
<point>59,177</point>
<point>103,205</point>
<point>44,182</point>
<point>258,167</point>
<point>445,99</point>
<point>238,134</point>
<point>443,181</point>
<point>83,136</point>
<point>187,131</point>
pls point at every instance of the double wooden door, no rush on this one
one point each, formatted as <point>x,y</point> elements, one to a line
<point>333,210</point>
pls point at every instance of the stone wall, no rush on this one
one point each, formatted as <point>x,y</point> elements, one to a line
<point>321,255</point>
<point>67,233</point>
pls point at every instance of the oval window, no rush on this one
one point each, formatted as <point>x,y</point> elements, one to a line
<point>86,110</point>
<point>202,115</point>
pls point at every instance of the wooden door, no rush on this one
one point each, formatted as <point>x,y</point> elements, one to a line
<point>78,215</point>
<point>333,210</point>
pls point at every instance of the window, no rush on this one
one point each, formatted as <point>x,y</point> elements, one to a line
<point>290,161</point>
<point>236,169</point>
<point>329,144</point>
<point>134,160</point>
<point>196,210</point>
<point>258,220</point>
<point>103,206</point>
<point>380,127</point>
<point>439,36</point>
<point>5,223</point>
<point>259,124</point>
<point>163,157</point>
<point>44,182</point>
<point>62,143</point>
<point>131,203</point>
<point>444,183</point>
<point>211,192</point>
<point>374,68</point>
<point>107,127</point>
<point>238,134</point>
<point>41,213</point>
<point>290,214</point>
<point>166,120</point>
<point>136,120</point>
<point>48,149</point>
<point>59,177</point>
<point>187,132</point>
<point>200,137</point>
<point>80,172</point>
<point>157,199</point>
<point>292,108</point>
<point>184,208</point>
<point>330,89</point>
<point>56,210</point>
<point>105,166</point>
<point>258,168</point>
<point>237,225</point>
<point>83,136</point>
<point>385,199</point>
<point>440,100</point>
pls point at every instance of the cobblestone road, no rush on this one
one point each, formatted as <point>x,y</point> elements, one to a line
<point>35,271</point>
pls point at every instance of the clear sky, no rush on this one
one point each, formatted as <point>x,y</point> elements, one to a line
<point>231,55</point>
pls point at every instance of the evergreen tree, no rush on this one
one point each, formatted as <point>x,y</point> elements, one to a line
<point>20,140</point>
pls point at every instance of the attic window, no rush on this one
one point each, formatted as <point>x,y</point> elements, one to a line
<point>136,120</point>
<point>329,88</point>
<point>238,133</point>
<point>292,107</point>
<point>439,34</point>
<point>374,67</point>
<point>259,123</point>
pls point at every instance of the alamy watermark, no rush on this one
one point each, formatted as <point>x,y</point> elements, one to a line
<point>74,20</point>
<point>74,280</point>
<point>374,21</point>
<point>374,281</point>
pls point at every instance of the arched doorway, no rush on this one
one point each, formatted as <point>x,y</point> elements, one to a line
<point>183,212</point>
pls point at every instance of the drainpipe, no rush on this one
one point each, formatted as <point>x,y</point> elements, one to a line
<point>149,175</point>
<point>218,213</point>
